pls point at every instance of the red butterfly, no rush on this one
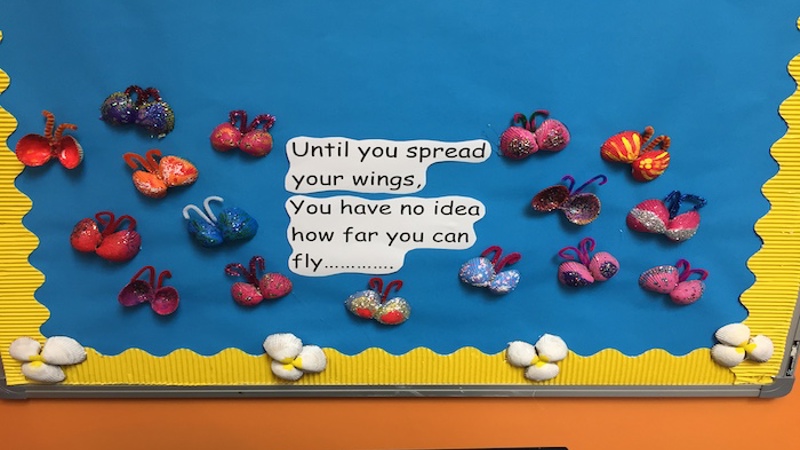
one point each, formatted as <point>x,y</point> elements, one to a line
<point>35,150</point>
<point>248,138</point>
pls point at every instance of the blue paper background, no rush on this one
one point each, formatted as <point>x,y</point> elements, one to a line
<point>709,74</point>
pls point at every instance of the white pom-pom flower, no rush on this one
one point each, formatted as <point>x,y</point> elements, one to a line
<point>552,348</point>
<point>63,351</point>
<point>539,360</point>
<point>733,334</point>
<point>311,359</point>
<point>43,372</point>
<point>281,346</point>
<point>542,372</point>
<point>291,359</point>
<point>41,363</point>
<point>736,344</point>
<point>22,349</point>
<point>520,354</point>
<point>286,372</point>
<point>761,348</point>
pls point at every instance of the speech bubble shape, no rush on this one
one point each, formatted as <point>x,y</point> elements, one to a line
<point>371,165</point>
<point>349,234</point>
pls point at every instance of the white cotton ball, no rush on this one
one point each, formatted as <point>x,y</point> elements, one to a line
<point>22,349</point>
<point>542,372</point>
<point>283,346</point>
<point>726,356</point>
<point>733,334</point>
<point>764,349</point>
<point>311,359</point>
<point>44,373</point>
<point>551,347</point>
<point>63,351</point>
<point>520,354</point>
<point>285,371</point>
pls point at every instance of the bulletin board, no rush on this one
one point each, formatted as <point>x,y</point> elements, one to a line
<point>387,162</point>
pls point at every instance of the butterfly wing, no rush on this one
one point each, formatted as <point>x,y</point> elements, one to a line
<point>69,152</point>
<point>393,312</point>
<point>505,282</point>
<point>550,198</point>
<point>165,301</point>
<point>650,165</point>
<point>33,150</point>
<point>175,171</point>
<point>236,224</point>
<point>364,304</point>
<point>622,147</point>
<point>206,234</point>
<point>649,216</point>
<point>683,226</point>
<point>136,292</point>
<point>149,184</point>
<point>477,272</point>
<point>581,209</point>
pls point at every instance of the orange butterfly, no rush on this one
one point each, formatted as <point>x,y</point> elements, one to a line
<point>646,163</point>
<point>155,177</point>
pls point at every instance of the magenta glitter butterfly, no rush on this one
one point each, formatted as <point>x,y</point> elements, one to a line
<point>252,292</point>
<point>579,207</point>
<point>250,138</point>
<point>580,269</point>
<point>163,300</point>
<point>661,217</point>
<point>518,142</point>
<point>674,280</point>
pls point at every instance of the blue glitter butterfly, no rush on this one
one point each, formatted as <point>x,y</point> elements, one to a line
<point>231,224</point>
<point>485,272</point>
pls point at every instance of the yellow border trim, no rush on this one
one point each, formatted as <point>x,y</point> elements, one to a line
<point>20,313</point>
<point>770,302</point>
<point>376,367</point>
<point>772,299</point>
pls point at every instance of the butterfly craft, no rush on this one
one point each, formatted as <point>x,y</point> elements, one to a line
<point>674,280</point>
<point>661,217</point>
<point>36,150</point>
<point>582,270</point>
<point>580,208</point>
<point>252,292</point>
<point>163,299</point>
<point>248,138</point>
<point>149,110</point>
<point>484,272</point>
<point>647,163</point>
<point>518,142</point>
<point>372,303</point>
<point>153,177</point>
<point>231,224</point>
<point>102,236</point>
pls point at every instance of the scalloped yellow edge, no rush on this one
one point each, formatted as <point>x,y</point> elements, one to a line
<point>770,302</point>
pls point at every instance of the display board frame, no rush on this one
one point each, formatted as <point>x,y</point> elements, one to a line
<point>467,372</point>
